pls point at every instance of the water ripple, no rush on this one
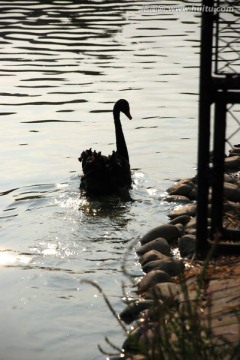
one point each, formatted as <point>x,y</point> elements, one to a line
<point>63,65</point>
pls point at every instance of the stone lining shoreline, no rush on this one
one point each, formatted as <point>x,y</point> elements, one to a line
<point>163,271</point>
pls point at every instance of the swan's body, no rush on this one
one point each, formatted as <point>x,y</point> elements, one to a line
<point>108,175</point>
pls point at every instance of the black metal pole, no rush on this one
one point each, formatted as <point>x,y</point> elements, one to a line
<point>218,166</point>
<point>205,101</point>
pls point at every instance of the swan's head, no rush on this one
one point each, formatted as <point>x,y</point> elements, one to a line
<point>123,106</point>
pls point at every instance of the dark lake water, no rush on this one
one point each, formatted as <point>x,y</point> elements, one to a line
<point>63,65</point>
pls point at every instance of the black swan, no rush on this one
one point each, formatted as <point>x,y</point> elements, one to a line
<point>108,175</point>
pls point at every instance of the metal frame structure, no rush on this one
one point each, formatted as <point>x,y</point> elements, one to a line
<point>219,91</point>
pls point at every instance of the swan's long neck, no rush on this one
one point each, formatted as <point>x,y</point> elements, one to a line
<point>120,140</point>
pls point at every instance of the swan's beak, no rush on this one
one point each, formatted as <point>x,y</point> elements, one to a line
<point>129,115</point>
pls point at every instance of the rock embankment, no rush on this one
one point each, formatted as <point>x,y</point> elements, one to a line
<point>163,271</point>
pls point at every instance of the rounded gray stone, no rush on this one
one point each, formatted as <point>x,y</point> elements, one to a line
<point>152,255</point>
<point>172,267</point>
<point>168,231</point>
<point>187,245</point>
<point>167,291</point>
<point>177,198</point>
<point>190,210</point>
<point>182,219</point>
<point>232,192</point>
<point>152,278</point>
<point>159,244</point>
